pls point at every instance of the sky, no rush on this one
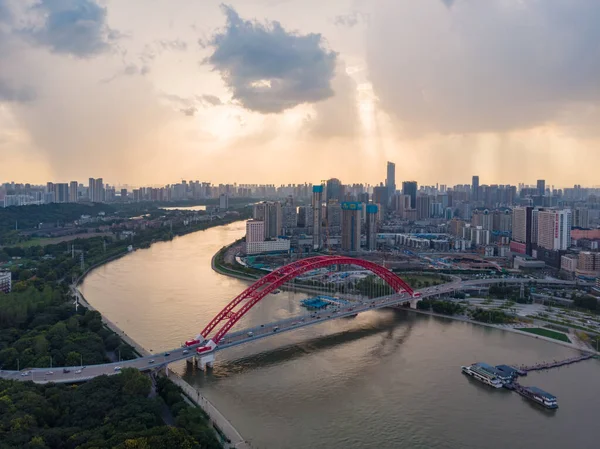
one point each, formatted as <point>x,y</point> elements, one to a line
<point>148,92</point>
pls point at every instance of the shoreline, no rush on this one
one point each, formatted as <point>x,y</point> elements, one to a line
<point>219,422</point>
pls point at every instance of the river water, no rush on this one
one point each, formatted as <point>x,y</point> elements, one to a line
<point>386,379</point>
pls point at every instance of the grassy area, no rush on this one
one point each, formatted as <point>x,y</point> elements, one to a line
<point>421,280</point>
<point>546,333</point>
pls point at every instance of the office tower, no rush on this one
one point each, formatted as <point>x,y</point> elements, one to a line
<point>410,188</point>
<point>317,200</point>
<point>351,222</point>
<point>224,201</point>
<point>423,207</point>
<point>371,227</point>
<point>390,181</point>
<point>335,190</point>
<point>123,194</point>
<point>554,229</point>
<point>541,187</point>
<point>521,230</point>
<point>475,188</point>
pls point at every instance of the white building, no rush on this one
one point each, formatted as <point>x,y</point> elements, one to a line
<point>224,201</point>
<point>554,229</point>
<point>268,246</point>
<point>255,231</point>
<point>5,281</point>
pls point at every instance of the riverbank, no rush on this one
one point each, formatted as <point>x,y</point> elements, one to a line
<point>219,422</point>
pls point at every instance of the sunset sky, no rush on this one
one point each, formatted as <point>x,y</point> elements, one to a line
<point>270,91</point>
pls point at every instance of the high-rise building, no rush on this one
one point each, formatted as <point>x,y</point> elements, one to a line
<point>61,192</point>
<point>334,215</point>
<point>335,190</point>
<point>521,230</point>
<point>351,223</point>
<point>123,194</point>
<point>305,218</point>
<point>99,191</point>
<point>423,207</point>
<point>317,201</point>
<point>390,181</point>
<point>541,187</point>
<point>73,192</point>
<point>271,214</point>
<point>223,201</point>
<point>372,227</point>
<point>554,229</point>
<point>581,217</point>
<point>255,231</point>
<point>290,218</point>
<point>91,188</point>
<point>483,218</point>
<point>410,188</point>
<point>380,196</point>
<point>475,188</point>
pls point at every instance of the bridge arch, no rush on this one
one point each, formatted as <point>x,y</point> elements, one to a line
<point>241,304</point>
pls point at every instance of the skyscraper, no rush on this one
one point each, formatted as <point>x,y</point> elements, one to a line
<point>61,192</point>
<point>423,207</point>
<point>317,200</point>
<point>380,196</point>
<point>351,226</point>
<point>541,187</point>
<point>335,190</point>
<point>410,188</point>
<point>371,227</point>
<point>91,188</point>
<point>475,188</point>
<point>390,181</point>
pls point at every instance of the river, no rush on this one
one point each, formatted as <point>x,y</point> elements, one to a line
<point>386,379</point>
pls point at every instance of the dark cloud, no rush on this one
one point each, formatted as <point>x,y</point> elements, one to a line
<point>8,93</point>
<point>211,100</point>
<point>5,12</point>
<point>268,68</point>
<point>76,27</point>
<point>493,65</point>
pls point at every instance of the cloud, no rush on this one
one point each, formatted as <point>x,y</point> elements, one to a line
<point>269,69</point>
<point>174,44</point>
<point>76,27</point>
<point>496,65</point>
<point>8,93</point>
<point>189,112</point>
<point>352,19</point>
<point>211,100</point>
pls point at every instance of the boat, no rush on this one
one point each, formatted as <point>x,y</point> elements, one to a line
<point>482,375</point>
<point>538,396</point>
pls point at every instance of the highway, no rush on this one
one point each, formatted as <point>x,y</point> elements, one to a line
<point>74,374</point>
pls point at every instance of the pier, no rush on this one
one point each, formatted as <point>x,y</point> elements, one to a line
<point>554,364</point>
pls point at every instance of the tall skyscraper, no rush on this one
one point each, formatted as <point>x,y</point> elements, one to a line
<point>390,181</point>
<point>475,188</point>
<point>554,229</point>
<point>99,191</point>
<point>380,196</point>
<point>271,214</point>
<point>290,218</point>
<point>541,187</point>
<point>351,226</point>
<point>371,227</point>
<point>73,192</point>
<point>91,189</point>
<point>410,188</point>
<point>334,214</point>
<point>317,201</point>
<point>61,192</point>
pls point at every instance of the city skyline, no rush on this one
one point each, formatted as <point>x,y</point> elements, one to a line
<point>177,94</point>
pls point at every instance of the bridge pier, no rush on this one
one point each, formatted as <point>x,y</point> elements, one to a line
<point>206,361</point>
<point>166,370</point>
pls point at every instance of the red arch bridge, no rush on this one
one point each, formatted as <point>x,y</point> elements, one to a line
<point>218,333</point>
